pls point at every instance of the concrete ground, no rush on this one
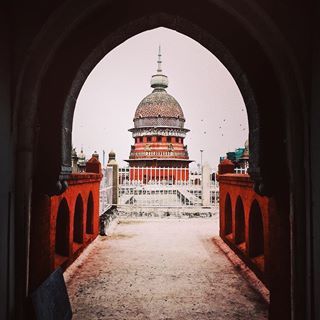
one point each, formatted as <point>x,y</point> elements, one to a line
<point>160,269</point>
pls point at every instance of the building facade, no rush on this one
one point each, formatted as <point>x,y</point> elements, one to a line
<point>159,135</point>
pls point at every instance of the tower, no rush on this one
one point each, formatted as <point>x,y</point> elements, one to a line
<point>159,152</point>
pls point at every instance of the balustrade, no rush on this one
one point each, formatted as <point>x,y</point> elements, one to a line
<point>244,221</point>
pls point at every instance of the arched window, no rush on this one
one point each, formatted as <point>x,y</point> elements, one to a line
<point>240,234</point>
<point>78,221</point>
<point>62,229</point>
<point>90,208</point>
<point>256,236</point>
<point>227,215</point>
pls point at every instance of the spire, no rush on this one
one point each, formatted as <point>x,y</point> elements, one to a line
<point>159,81</point>
<point>159,70</point>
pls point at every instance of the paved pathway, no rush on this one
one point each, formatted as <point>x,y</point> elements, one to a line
<point>165,269</point>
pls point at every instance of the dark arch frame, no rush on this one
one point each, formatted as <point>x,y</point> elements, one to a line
<point>78,220</point>
<point>239,221</point>
<point>62,229</point>
<point>256,231</point>
<point>227,215</point>
<point>268,135</point>
<point>90,214</point>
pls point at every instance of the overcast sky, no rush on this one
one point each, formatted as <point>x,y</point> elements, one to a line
<point>210,99</point>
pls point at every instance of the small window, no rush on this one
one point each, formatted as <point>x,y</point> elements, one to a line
<point>148,139</point>
<point>168,139</point>
<point>159,139</point>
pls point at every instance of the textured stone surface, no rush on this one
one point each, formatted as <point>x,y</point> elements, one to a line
<point>159,104</point>
<point>160,269</point>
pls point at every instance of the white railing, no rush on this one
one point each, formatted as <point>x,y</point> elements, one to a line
<point>105,199</point>
<point>135,154</point>
<point>241,170</point>
<point>166,187</point>
<point>158,175</point>
<point>106,187</point>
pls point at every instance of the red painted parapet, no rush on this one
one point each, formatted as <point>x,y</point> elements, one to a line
<point>93,165</point>
<point>244,222</point>
<point>226,166</point>
<point>74,218</point>
<point>66,224</point>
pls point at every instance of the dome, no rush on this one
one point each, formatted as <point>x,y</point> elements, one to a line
<point>74,153</point>
<point>81,155</point>
<point>159,104</point>
<point>112,155</point>
<point>245,155</point>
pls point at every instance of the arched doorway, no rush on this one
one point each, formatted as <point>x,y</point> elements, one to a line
<point>62,229</point>
<point>78,221</point>
<point>89,220</point>
<point>253,54</point>
<point>228,215</point>
<point>256,234</point>
<point>240,234</point>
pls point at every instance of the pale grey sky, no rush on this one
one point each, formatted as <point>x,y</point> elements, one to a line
<point>211,101</point>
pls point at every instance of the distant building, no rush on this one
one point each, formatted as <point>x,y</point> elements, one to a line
<point>79,161</point>
<point>239,157</point>
<point>159,135</point>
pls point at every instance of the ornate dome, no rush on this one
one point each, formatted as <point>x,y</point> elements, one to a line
<point>159,104</point>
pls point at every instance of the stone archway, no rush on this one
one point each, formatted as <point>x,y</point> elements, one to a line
<point>240,232</point>
<point>228,215</point>
<point>62,229</point>
<point>78,221</point>
<point>256,233</point>
<point>253,52</point>
<point>89,218</point>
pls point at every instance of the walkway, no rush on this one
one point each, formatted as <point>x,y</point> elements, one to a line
<point>165,269</point>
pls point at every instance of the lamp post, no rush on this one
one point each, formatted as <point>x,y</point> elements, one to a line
<point>201,151</point>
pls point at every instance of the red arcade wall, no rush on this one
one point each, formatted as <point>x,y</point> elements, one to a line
<point>69,222</point>
<point>74,218</point>
<point>244,222</point>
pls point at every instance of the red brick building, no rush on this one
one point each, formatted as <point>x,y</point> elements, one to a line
<point>159,135</point>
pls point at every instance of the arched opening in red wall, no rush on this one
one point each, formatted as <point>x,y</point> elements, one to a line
<point>62,229</point>
<point>78,221</point>
<point>227,215</point>
<point>256,235</point>
<point>239,236</point>
<point>89,220</point>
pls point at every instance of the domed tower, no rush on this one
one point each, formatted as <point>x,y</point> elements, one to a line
<point>159,135</point>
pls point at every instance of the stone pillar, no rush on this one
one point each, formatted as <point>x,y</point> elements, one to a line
<point>93,165</point>
<point>205,187</point>
<point>115,177</point>
<point>74,158</point>
<point>226,166</point>
<point>95,155</point>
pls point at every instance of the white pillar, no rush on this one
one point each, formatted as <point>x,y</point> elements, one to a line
<point>205,185</point>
